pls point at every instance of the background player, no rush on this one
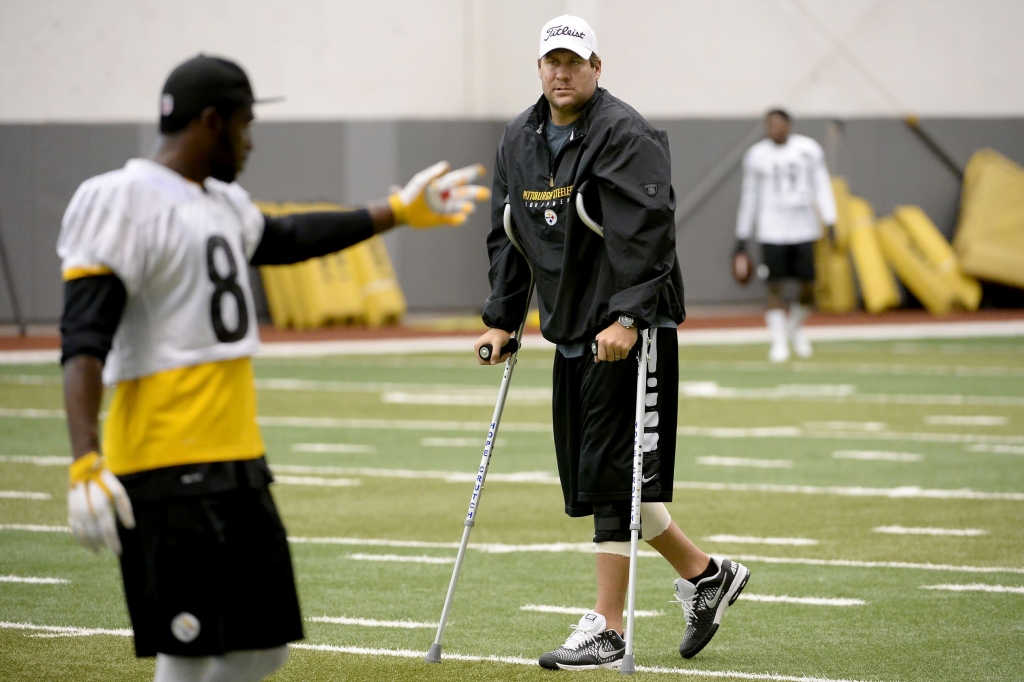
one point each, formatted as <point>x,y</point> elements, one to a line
<point>605,289</point>
<point>157,298</point>
<point>787,194</point>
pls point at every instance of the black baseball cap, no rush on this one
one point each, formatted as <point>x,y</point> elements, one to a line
<point>203,82</point>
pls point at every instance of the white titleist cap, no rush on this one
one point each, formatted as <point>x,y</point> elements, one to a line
<point>570,33</point>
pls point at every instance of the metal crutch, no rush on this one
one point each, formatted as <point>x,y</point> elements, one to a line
<point>434,654</point>
<point>628,666</point>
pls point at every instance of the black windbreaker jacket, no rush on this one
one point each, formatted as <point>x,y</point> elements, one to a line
<point>584,282</point>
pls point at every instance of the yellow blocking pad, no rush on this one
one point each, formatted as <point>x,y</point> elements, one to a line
<point>833,282</point>
<point>877,284</point>
<point>355,286</point>
<point>382,296</point>
<point>930,242</point>
<point>844,225</point>
<point>926,283</point>
<point>990,236</point>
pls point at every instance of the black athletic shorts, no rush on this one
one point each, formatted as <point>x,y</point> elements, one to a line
<point>789,261</point>
<point>593,408</point>
<point>207,570</point>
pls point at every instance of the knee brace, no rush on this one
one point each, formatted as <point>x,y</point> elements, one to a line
<point>611,525</point>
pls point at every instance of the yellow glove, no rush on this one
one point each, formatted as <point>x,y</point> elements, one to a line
<point>93,488</point>
<point>436,197</point>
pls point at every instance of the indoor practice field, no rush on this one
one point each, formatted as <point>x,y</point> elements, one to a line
<point>876,493</point>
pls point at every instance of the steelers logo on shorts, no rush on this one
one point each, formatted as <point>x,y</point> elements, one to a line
<point>550,217</point>
<point>185,627</point>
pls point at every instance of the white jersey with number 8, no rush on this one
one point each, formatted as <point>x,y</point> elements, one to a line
<point>182,252</point>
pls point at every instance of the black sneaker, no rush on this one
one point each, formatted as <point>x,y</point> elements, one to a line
<point>705,603</point>
<point>589,647</point>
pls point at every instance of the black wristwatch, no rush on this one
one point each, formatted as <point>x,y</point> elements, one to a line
<point>626,321</point>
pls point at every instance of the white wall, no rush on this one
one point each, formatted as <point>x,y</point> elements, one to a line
<point>104,60</point>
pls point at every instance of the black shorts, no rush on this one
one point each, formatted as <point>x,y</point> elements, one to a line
<point>208,573</point>
<point>788,261</point>
<point>593,408</point>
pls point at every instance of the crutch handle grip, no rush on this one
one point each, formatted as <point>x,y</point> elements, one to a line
<point>487,350</point>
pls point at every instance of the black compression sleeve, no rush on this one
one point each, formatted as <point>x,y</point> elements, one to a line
<point>295,238</point>
<point>92,311</point>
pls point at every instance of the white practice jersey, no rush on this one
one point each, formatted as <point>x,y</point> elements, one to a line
<point>182,252</point>
<point>787,193</point>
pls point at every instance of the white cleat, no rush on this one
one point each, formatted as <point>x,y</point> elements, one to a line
<point>779,351</point>
<point>801,345</point>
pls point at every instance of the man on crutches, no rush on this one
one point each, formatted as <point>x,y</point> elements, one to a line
<point>587,183</point>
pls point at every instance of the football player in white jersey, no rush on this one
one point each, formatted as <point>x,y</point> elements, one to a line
<point>787,195</point>
<point>158,304</point>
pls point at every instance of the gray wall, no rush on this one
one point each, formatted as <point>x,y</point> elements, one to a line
<point>352,162</point>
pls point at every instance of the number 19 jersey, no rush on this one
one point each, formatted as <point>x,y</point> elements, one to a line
<point>180,359</point>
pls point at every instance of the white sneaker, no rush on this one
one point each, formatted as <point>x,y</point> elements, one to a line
<point>590,647</point>
<point>776,321</point>
<point>801,344</point>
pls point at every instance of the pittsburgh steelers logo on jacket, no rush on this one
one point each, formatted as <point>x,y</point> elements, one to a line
<point>550,217</point>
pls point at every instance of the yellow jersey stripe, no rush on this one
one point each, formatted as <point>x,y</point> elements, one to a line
<point>189,415</point>
<point>86,271</point>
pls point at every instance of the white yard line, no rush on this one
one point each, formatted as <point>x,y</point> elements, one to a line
<point>335,448</point>
<point>457,442</point>
<point>370,623</point>
<point>877,455</point>
<point>809,601</point>
<point>64,630</point>
<point>999,449</point>
<point>539,427</point>
<point>22,495</point>
<point>745,462</point>
<point>965,420</point>
<point>43,461</point>
<point>33,528</point>
<point>975,587</point>
<point>752,540</point>
<point>548,478</point>
<point>859,368</point>
<point>317,481</point>
<point>518,660</point>
<point>402,558</point>
<point>954,532</point>
<point>588,548</point>
<point>579,610</point>
<point>870,427</point>
<point>32,581</point>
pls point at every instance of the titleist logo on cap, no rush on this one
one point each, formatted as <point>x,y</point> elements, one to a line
<point>564,31</point>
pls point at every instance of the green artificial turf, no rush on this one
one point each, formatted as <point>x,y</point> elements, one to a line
<point>889,395</point>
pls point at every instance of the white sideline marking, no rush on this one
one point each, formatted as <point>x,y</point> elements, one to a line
<point>965,420</point>
<point>520,397</point>
<point>456,442</point>
<point>810,601</point>
<point>65,631</point>
<point>975,587</point>
<point>369,623</point>
<point>547,478</point>
<point>579,610</point>
<point>588,548</point>
<point>877,455</point>
<point>861,368</point>
<point>32,528</point>
<point>340,448</point>
<point>33,581</point>
<point>46,461</point>
<point>956,532</point>
<point>752,540</point>
<point>845,426</point>
<point>31,413</point>
<point>317,481</point>
<point>29,379</point>
<point>395,424</point>
<point>745,462</point>
<point>403,559</point>
<point>999,449</point>
<point>22,495</point>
